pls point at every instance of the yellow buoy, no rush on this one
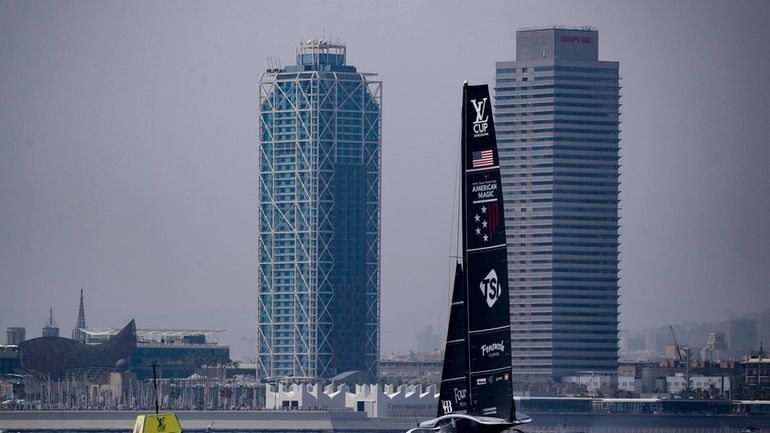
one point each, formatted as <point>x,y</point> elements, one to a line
<point>159,423</point>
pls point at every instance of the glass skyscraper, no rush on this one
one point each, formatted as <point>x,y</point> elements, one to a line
<point>319,217</point>
<point>557,109</point>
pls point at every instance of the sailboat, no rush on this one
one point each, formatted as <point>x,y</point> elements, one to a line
<point>476,391</point>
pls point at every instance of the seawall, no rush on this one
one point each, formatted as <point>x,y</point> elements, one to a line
<point>358,422</point>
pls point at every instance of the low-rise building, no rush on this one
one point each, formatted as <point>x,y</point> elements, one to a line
<point>757,370</point>
<point>10,359</point>
<point>711,387</point>
<point>595,383</point>
<point>376,400</point>
<point>398,372</point>
<point>629,384</point>
<point>176,352</point>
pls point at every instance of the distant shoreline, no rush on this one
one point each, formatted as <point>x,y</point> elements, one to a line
<point>357,421</point>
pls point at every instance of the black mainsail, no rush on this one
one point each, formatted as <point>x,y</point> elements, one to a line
<point>490,389</point>
<point>454,374</point>
<point>476,393</point>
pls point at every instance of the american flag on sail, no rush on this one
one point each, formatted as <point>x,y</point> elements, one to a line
<point>482,158</point>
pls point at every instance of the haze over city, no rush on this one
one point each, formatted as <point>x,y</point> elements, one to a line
<point>128,149</point>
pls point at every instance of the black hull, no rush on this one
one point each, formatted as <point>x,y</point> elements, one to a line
<point>462,423</point>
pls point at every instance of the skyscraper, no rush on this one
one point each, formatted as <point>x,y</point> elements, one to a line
<point>741,336</point>
<point>557,119</point>
<point>15,335</point>
<point>319,217</point>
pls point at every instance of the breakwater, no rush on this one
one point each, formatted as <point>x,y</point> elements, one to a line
<point>326,421</point>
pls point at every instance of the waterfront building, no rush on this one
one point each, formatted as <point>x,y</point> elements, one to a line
<point>178,353</point>
<point>318,290</point>
<point>557,121</point>
<point>397,372</point>
<point>376,400</point>
<point>714,386</point>
<point>756,370</point>
<point>594,383</point>
<point>10,360</point>
<point>56,357</point>
<point>50,329</point>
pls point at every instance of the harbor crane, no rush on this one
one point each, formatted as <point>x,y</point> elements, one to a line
<point>682,359</point>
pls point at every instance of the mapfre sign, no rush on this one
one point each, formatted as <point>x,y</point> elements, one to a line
<point>576,39</point>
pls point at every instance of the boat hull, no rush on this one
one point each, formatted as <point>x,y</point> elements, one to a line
<point>462,423</point>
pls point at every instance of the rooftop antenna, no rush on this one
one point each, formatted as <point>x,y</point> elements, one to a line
<point>50,322</point>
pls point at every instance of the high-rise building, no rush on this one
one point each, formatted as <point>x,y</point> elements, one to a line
<point>716,341</point>
<point>15,335</point>
<point>319,217</point>
<point>741,337</point>
<point>557,109</point>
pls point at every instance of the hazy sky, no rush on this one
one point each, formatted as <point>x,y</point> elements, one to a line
<point>128,149</point>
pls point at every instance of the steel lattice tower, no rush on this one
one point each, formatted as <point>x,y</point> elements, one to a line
<point>319,217</point>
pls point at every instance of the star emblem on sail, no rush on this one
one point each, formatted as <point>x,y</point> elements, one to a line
<point>487,220</point>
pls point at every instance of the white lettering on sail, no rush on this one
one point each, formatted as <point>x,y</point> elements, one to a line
<point>484,190</point>
<point>481,124</point>
<point>447,406</point>
<point>490,288</point>
<point>493,349</point>
<point>459,395</point>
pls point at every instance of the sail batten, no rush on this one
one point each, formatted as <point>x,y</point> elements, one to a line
<point>478,331</point>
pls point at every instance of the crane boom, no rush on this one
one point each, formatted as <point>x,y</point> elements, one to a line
<point>676,345</point>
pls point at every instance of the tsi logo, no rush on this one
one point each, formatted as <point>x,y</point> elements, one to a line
<point>490,288</point>
<point>480,125</point>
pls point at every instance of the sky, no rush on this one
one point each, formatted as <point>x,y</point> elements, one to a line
<point>128,152</point>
